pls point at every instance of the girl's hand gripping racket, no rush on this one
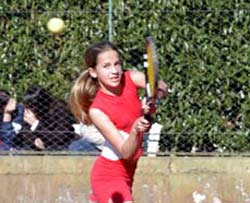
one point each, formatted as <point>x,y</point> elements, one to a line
<point>151,72</point>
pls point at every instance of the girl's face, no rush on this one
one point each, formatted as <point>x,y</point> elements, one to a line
<point>108,71</point>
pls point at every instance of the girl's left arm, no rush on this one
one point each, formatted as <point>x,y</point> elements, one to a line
<point>139,79</point>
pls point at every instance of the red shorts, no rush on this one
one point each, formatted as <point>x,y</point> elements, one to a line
<point>112,180</point>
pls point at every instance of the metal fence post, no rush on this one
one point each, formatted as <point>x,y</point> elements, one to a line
<point>110,21</point>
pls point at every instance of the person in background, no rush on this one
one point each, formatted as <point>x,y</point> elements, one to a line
<point>11,116</point>
<point>91,140</point>
<point>48,122</point>
<point>107,96</point>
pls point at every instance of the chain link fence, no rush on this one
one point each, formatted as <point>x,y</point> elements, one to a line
<point>203,53</point>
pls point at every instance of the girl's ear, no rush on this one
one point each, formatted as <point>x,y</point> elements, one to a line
<point>92,72</point>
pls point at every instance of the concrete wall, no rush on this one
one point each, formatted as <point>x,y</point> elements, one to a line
<point>65,179</point>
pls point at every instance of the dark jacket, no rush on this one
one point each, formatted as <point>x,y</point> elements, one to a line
<point>55,127</point>
<point>7,131</point>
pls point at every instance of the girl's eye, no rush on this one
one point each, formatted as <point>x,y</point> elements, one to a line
<point>106,66</point>
<point>118,63</point>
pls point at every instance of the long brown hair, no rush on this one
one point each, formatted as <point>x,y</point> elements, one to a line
<point>85,87</point>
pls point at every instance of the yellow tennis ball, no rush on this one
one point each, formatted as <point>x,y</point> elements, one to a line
<point>56,25</point>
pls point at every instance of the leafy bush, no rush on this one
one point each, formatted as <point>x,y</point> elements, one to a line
<point>203,50</point>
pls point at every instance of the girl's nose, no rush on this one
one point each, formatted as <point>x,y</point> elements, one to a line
<point>114,69</point>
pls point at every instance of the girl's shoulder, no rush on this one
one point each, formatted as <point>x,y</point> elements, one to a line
<point>131,74</point>
<point>137,77</point>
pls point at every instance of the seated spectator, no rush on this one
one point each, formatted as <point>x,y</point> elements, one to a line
<point>91,139</point>
<point>48,122</point>
<point>11,116</point>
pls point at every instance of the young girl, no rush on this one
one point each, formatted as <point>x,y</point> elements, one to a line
<point>107,96</point>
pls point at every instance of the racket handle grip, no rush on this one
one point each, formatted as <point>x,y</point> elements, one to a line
<point>148,117</point>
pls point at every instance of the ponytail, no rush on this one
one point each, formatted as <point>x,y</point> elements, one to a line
<point>82,95</point>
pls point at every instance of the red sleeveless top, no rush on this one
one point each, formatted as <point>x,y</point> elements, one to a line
<point>124,109</point>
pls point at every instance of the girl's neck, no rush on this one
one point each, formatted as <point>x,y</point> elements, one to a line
<point>113,92</point>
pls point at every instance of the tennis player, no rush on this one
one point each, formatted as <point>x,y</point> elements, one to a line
<point>107,96</point>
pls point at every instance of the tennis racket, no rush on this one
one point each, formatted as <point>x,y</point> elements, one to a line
<point>151,72</point>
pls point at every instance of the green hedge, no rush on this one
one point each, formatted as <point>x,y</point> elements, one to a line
<point>203,50</point>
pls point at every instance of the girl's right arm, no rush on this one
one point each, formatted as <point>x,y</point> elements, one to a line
<point>126,147</point>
